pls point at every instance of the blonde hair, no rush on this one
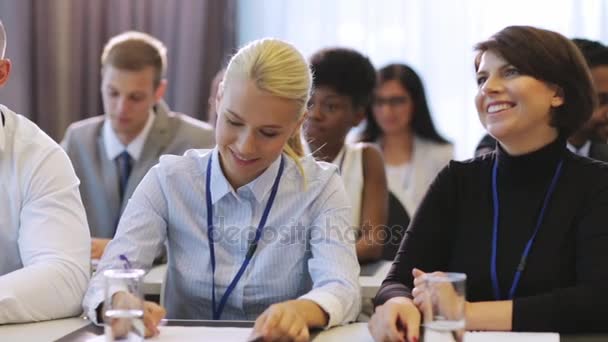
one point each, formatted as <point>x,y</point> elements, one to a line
<point>2,40</point>
<point>280,69</point>
<point>134,51</point>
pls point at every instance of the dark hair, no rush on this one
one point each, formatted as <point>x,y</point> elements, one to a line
<point>550,57</point>
<point>595,53</point>
<point>422,123</point>
<point>347,72</point>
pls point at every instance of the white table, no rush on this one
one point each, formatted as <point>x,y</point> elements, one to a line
<point>42,331</point>
<point>356,332</point>
<point>52,330</point>
<point>370,280</point>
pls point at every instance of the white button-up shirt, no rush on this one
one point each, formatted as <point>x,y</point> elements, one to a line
<point>44,237</point>
<point>307,249</point>
<point>113,145</point>
<point>581,151</point>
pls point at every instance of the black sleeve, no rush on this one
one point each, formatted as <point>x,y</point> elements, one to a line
<point>583,307</point>
<point>427,242</point>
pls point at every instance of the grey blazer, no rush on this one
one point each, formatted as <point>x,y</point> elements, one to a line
<point>172,133</point>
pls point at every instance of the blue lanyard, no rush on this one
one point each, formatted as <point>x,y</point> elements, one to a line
<point>524,256</point>
<point>217,312</point>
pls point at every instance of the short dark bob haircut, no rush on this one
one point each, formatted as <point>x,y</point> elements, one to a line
<point>549,57</point>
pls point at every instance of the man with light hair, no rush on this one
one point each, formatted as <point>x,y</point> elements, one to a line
<point>44,239</point>
<point>111,153</point>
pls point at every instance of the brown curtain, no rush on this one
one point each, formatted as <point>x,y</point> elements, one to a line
<point>55,47</point>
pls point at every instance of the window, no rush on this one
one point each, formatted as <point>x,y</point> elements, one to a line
<point>435,37</point>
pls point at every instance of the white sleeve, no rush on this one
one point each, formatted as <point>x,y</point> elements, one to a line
<point>334,268</point>
<point>54,244</point>
<point>140,235</point>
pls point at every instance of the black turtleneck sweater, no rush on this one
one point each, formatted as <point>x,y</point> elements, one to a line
<point>564,287</point>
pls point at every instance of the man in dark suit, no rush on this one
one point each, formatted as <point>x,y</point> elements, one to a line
<point>111,153</point>
<point>591,140</point>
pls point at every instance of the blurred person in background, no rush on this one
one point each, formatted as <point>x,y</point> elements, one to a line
<point>111,153</point>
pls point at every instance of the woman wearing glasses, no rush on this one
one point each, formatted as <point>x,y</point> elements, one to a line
<point>400,122</point>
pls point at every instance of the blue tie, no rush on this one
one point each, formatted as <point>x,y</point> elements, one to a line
<point>124,170</point>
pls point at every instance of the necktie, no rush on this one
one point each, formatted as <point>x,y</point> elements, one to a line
<point>124,170</point>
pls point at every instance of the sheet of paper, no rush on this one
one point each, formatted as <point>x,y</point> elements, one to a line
<point>510,336</point>
<point>485,336</point>
<point>186,334</point>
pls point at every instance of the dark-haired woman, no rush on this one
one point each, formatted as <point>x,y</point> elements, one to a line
<point>527,222</point>
<point>414,153</point>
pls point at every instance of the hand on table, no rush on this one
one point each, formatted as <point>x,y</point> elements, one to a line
<point>281,322</point>
<point>396,320</point>
<point>153,314</point>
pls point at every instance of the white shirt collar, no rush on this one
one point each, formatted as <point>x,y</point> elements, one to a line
<point>582,151</point>
<point>259,186</point>
<point>219,184</point>
<point>113,145</point>
<point>263,184</point>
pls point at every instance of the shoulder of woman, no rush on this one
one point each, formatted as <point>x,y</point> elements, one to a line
<point>316,173</point>
<point>372,156</point>
<point>188,163</point>
<point>471,167</point>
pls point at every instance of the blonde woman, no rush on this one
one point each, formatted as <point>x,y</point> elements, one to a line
<point>254,231</point>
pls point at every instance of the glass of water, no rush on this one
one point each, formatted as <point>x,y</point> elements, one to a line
<point>124,305</point>
<point>444,316</point>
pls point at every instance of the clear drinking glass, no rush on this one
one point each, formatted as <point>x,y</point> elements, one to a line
<point>444,316</point>
<point>124,305</point>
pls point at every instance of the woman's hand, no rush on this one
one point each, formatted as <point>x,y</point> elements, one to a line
<point>441,298</point>
<point>153,314</point>
<point>396,320</point>
<point>281,322</point>
<point>289,321</point>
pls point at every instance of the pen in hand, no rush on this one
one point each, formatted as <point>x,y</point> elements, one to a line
<point>127,266</point>
<point>127,263</point>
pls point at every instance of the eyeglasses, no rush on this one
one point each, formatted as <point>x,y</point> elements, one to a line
<point>394,101</point>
